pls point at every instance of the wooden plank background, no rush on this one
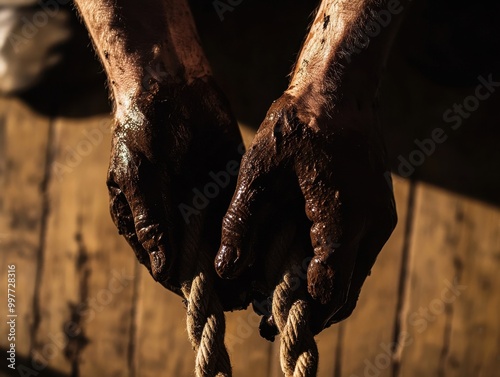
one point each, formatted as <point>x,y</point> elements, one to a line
<point>87,309</point>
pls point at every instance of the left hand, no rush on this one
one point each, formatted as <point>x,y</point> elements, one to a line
<point>331,166</point>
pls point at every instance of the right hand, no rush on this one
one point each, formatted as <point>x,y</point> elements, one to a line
<point>169,147</point>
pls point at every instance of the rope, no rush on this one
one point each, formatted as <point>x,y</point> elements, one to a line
<point>205,316</point>
<point>206,328</point>
<point>206,323</point>
<point>298,350</point>
<point>290,310</point>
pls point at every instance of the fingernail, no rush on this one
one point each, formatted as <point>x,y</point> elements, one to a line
<point>226,262</point>
<point>320,277</point>
<point>158,265</point>
<point>268,329</point>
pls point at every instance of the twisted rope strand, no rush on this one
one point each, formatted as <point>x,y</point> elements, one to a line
<point>206,323</point>
<point>206,328</point>
<point>205,320</point>
<point>298,350</point>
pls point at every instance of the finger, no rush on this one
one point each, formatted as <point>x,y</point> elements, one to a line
<point>335,233</point>
<point>235,253</point>
<point>369,250</point>
<point>329,274</point>
<point>341,293</point>
<point>366,258</point>
<point>144,193</point>
<point>124,222</point>
<point>151,224</point>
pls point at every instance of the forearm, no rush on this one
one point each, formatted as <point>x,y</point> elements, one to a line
<point>143,45</point>
<point>346,50</point>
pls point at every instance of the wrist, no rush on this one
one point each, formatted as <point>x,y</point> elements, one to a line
<point>153,87</point>
<point>187,104</point>
<point>344,55</point>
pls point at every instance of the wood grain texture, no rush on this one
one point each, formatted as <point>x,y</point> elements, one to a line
<point>102,314</point>
<point>248,351</point>
<point>87,282</point>
<point>328,343</point>
<point>367,336</point>
<point>450,319</point>
<point>23,147</point>
<point>162,347</point>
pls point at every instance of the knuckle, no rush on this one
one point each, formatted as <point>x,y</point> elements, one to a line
<point>116,179</point>
<point>111,177</point>
<point>123,162</point>
<point>234,222</point>
<point>150,235</point>
<point>114,190</point>
<point>120,213</point>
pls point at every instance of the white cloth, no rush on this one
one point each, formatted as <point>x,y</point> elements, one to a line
<point>18,3</point>
<point>28,37</point>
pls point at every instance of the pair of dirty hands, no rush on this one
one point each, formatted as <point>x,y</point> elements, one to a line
<point>312,189</point>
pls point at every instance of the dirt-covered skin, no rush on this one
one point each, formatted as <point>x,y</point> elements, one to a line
<point>313,192</point>
<point>313,188</point>
<point>176,146</point>
<point>321,166</point>
<point>171,147</point>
